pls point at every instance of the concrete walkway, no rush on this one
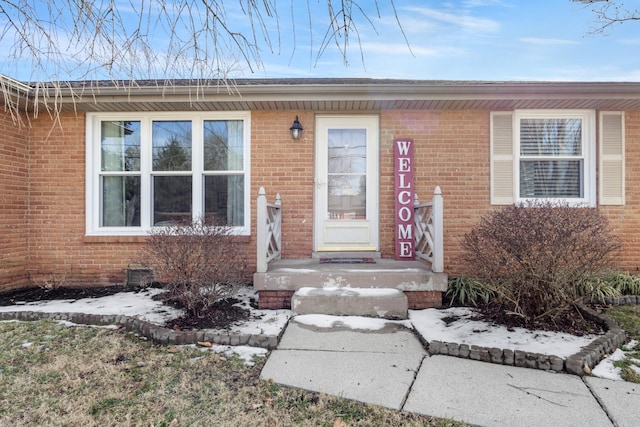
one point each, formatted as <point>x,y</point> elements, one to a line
<point>389,367</point>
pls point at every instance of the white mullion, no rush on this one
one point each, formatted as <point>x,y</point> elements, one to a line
<point>145,173</point>
<point>197,165</point>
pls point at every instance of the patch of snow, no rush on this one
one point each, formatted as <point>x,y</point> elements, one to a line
<point>605,368</point>
<point>348,292</point>
<point>460,328</point>
<point>73,325</point>
<point>351,322</point>
<point>138,304</point>
<point>247,353</point>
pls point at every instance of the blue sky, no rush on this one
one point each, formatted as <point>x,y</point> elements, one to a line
<point>499,40</point>
<point>473,40</point>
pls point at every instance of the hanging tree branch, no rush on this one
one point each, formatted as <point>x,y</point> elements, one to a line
<point>609,13</point>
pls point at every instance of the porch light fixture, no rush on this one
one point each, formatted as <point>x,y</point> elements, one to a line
<point>296,129</point>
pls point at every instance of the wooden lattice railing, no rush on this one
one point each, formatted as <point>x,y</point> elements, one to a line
<point>268,230</point>
<point>429,231</point>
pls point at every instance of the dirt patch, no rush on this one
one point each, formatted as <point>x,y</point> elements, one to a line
<point>221,315</point>
<point>569,321</point>
<point>62,293</point>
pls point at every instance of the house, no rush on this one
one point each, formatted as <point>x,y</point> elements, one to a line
<point>81,188</point>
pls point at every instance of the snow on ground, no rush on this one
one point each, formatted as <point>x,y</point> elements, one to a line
<point>447,325</point>
<point>351,322</point>
<point>132,304</point>
<point>461,329</point>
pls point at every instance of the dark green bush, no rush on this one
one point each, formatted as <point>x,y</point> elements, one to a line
<point>535,256</point>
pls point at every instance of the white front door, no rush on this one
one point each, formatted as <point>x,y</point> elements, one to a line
<point>346,183</point>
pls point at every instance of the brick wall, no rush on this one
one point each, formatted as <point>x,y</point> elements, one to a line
<point>282,165</point>
<point>14,191</point>
<point>452,151</point>
<point>625,220</point>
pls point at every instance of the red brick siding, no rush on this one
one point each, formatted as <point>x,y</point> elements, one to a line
<point>282,165</point>
<point>452,151</point>
<point>419,300</point>
<point>274,300</point>
<point>14,193</point>
<point>625,220</point>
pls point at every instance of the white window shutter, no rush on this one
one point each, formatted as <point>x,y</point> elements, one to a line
<point>612,158</point>
<point>502,180</point>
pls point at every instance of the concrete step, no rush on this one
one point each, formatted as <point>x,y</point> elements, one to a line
<point>293,274</point>
<point>340,301</point>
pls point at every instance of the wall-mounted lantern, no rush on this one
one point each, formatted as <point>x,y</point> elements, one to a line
<point>296,129</point>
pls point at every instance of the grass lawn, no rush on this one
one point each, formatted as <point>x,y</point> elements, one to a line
<point>628,317</point>
<point>58,375</point>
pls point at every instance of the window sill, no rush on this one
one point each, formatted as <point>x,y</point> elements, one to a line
<point>141,239</point>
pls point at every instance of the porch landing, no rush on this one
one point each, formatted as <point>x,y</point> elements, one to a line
<point>277,285</point>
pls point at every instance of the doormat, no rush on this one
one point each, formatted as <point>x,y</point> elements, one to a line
<point>347,261</point>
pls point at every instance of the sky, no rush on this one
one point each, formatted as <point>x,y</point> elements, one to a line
<point>480,40</point>
<point>494,40</point>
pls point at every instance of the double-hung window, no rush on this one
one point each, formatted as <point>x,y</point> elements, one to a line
<point>150,170</point>
<point>547,155</point>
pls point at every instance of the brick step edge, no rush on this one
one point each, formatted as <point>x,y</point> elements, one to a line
<point>590,355</point>
<point>156,333</point>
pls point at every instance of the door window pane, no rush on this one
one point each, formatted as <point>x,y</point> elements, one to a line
<point>171,199</point>
<point>120,201</point>
<point>347,151</point>
<point>171,145</point>
<point>347,174</point>
<point>347,197</point>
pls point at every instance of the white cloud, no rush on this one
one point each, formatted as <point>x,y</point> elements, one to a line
<point>632,41</point>
<point>465,22</point>
<point>545,41</point>
<point>403,49</point>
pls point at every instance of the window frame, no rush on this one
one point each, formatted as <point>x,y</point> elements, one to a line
<point>198,173</point>
<point>588,156</point>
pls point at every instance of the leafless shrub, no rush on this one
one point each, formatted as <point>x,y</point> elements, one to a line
<point>534,256</point>
<point>51,282</point>
<point>199,261</point>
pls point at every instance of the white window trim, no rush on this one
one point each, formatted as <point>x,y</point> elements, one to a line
<point>93,167</point>
<point>588,149</point>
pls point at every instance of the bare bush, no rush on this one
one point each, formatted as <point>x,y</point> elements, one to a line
<point>534,256</point>
<point>199,261</point>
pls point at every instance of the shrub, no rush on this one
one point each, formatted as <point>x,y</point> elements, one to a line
<point>625,283</point>
<point>467,291</point>
<point>533,256</point>
<point>200,263</point>
<point>597,287</point>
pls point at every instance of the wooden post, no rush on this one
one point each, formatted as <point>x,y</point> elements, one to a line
<point>261,231</point>
<point>438,214</point>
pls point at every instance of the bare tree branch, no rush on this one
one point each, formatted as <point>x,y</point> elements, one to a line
<point>200,40</point>
<point>609,13</point>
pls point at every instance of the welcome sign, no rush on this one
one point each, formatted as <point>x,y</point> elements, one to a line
<point>404,198</point>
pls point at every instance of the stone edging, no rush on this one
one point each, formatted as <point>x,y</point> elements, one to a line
<point>590,355</point>
<point>155,333</point>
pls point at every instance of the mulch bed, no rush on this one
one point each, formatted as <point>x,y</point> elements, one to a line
<point>221,315</point>
<point>225,313</point>
<point>569,321</point>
